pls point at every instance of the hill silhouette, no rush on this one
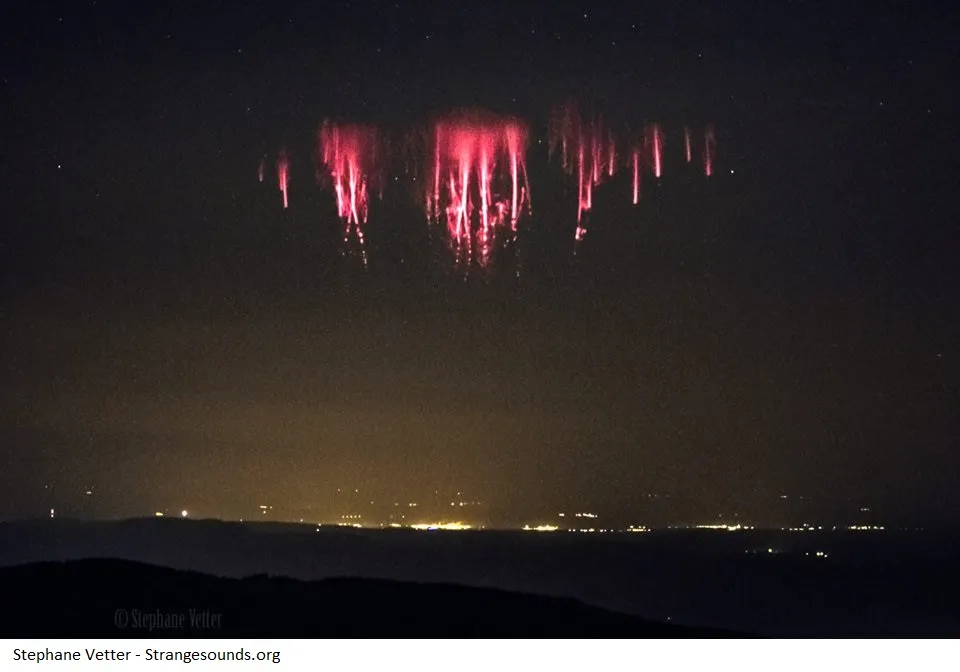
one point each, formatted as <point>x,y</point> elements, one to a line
<point>119,598</point>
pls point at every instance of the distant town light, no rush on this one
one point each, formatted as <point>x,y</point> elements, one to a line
<point>729,528</point>
<point>441,526</point>
<point>183,513</point>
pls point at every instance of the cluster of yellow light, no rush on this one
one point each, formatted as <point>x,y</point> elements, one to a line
<point>541,528</point>
<point>441,526</point>
<point>158,514</point>
<point>638,528</point>
<point>585,515</point>
<point>728,528</point>
<point>805,528</point>
<point>865,527</point>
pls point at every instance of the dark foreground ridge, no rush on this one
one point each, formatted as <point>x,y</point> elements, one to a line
<point>118,598</point>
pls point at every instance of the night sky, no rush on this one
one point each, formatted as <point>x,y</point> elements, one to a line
<point>172,338</point>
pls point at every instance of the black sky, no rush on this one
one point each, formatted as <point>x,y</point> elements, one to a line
<point>171,338</point>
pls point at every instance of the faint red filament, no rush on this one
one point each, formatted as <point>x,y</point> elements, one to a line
<point>283,174</point>
<point>656,148</point>
<point>709,147</point>
<point>612,159</point>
